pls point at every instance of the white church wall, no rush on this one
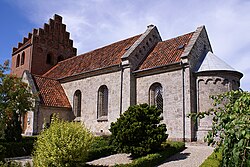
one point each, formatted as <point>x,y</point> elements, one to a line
<point>214,83</point>
<point>89,89</point>
<point>45,113</point>
<point>172,99</point>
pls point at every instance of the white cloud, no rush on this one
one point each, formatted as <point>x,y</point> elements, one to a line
<point>94,23</point>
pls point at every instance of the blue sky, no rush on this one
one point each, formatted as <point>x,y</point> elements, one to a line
<point>95,23</point>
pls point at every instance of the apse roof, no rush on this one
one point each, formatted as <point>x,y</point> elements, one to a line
<point>213,63</point>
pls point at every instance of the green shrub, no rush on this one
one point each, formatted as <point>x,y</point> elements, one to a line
<point>62,144</point>
<point>17,149</point>
<point>13,130</point>
<point>101,152</point>
<point>231,127</point>
<point>10,164</point>
<point>138,131</point>
<point>100,148</point>
<point>100,142</point>
<point>2,152</point>
<point>29,138</point>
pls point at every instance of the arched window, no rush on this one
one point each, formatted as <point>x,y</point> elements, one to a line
<point>77,103</point>
<point>102,103</point>
<point>59,58</point>
<point>155,95</point>
<point>18,60</point>
<point>22,58</point>
<point>49,59</point>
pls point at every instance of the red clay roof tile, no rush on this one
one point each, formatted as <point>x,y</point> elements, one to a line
<point>166,52</point>
<point>51,92</point>
<point>103,57</point>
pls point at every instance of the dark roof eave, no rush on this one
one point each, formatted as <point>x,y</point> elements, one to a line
<point>213,71</point>
<point>22,48</point>
<point>164,68</point>
<point>90,73</point>
<point>43,105</point>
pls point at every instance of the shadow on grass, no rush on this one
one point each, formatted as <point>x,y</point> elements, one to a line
<point>177,157</point>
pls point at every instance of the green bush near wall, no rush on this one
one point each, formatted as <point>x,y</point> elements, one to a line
<point>62,144</point>
<point>2,152</point>
<point>138,130</point>
<point>100,148</point>
<point>16,149</point>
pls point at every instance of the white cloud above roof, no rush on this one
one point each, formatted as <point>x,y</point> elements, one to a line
<point>95,23</point>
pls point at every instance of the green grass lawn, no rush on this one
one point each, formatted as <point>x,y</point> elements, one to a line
<point>214,160</point>
<point>168,149</point>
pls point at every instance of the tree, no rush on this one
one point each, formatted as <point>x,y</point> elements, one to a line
<point>231,127</point>
<point>138,130</point>
<point>62,144</point>
<point>15,100</point>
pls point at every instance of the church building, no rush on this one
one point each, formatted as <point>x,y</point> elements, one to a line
<point>177,75</point>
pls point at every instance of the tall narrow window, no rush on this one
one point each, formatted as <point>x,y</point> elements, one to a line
<point>22,58</point>
<point>155,96</point>
<point>18,60</point>
<point>102,103</point>
<point>77,103</point>
<point>49,59</point>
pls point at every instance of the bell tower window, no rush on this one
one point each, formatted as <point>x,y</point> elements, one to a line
<point>18,60</point>
<point>49,59</point>
<point>23,58</point>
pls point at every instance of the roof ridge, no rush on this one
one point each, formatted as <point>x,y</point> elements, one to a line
<point>178,36</point>
<point>168,53</point>
<point>109,45</point>
<point>40,76</point>
<point>95,51</point>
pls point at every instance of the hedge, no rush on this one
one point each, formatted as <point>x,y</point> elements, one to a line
<point>101,148</point>
<point>154,159</point>
<point>17,149</point>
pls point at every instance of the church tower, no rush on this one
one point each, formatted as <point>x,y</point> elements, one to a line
<point>43,48</point>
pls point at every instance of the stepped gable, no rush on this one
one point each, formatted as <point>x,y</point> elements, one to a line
<point>22,45</point>
<point>166,52</point>
<point>43,48</point>
<point>51,92</point>
<point>49,31</point>
<point>100,58</point>
<point>54,35</point>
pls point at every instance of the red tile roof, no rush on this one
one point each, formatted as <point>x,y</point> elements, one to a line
<point>103,57</point>
<point>51,92</point>
<point>166,52</point>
